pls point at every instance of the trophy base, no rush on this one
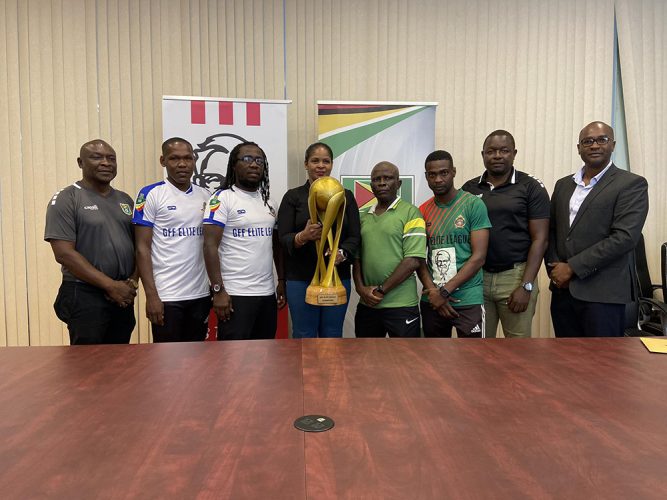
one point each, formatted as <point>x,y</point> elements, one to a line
<point>326,296</point>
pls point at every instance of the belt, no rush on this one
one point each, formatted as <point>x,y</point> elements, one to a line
<point>500,268</point>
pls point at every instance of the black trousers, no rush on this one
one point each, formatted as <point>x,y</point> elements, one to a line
<point>184,321</point>
<point>577,318</point>
<point>253,318</point>
<point>90,317</point>
<point>378,322</point>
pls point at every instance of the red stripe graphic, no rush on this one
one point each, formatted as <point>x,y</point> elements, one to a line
<point>212,331</point>
<point>333,109</point>
<point>252,114</point>
<point>197,112</point>
<point>226,113</point>
<point>282,331</point>
<point>348,106</point>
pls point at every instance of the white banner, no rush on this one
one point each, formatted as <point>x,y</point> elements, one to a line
<point>215,125</point>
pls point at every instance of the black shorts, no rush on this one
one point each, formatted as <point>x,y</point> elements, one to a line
<point>253,318</point>
<point>469,324</point>
<point>184,321</point>
<point>378,322</point>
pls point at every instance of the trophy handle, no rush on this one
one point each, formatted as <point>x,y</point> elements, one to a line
<point>333,213</point>
<point>319,269</point>
<point>332,273</point>
<point>312,209</point>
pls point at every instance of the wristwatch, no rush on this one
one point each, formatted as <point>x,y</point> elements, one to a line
<point>444,293</point>
<point>527,286</point>
<point>217,287</point>
<point>379,290</point>
<point>133,282</point>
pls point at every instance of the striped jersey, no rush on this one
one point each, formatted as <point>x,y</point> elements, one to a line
<point>448,229</point>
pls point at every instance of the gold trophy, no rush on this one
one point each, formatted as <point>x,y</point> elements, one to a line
<point>326,204</point>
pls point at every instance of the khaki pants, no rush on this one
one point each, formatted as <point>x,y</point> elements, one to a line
<point>497,289</point>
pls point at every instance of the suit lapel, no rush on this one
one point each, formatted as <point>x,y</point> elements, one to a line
<point>607,179</point>
<point>568,191</point>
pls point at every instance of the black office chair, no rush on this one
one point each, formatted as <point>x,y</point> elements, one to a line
<point>663,270</point>
<point>647,316</point>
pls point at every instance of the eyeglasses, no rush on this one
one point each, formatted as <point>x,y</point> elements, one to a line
<point>589,141</point>
<point>253,159</point>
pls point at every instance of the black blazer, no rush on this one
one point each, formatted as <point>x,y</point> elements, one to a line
<point>600,244</point>
<point>293,214</point>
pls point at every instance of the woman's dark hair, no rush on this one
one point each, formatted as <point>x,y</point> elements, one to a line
<point>310,150</point>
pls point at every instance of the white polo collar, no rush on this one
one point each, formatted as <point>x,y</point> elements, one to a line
<point>390,207</point>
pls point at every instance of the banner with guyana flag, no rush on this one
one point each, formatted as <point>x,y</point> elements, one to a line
<point>362,134</point>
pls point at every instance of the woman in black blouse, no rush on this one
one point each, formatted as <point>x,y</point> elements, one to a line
<point>298,237</point>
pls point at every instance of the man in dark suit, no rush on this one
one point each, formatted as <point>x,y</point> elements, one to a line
<point>597,216</point>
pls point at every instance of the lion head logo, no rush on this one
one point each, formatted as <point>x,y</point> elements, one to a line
<point>212,158</point>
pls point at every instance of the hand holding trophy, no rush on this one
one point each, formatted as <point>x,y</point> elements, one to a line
<point>326,204</point>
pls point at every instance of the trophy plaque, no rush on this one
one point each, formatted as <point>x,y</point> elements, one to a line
<point>326,204</point>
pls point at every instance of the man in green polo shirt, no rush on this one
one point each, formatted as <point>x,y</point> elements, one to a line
<point>393,243</point>
<point>457,226</point>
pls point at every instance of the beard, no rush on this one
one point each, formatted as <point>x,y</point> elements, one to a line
<point>248,185</point>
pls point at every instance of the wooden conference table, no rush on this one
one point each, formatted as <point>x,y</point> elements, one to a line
<point>537,418</point>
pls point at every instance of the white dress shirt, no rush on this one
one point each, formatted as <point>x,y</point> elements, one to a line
<point>581,191</point>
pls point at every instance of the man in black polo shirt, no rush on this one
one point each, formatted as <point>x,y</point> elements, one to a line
<point>89,227</point>
<point>518,206</point>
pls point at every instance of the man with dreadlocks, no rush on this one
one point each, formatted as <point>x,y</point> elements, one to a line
<point>239,241</point>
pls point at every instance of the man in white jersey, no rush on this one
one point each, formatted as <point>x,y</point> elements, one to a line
<point>168,238</point>
<point>239,244</point>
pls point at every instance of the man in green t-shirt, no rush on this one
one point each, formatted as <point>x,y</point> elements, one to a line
<point>457,228</point>
<point>393,244</point>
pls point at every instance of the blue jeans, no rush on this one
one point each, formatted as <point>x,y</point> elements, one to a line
<point>310,321</point>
